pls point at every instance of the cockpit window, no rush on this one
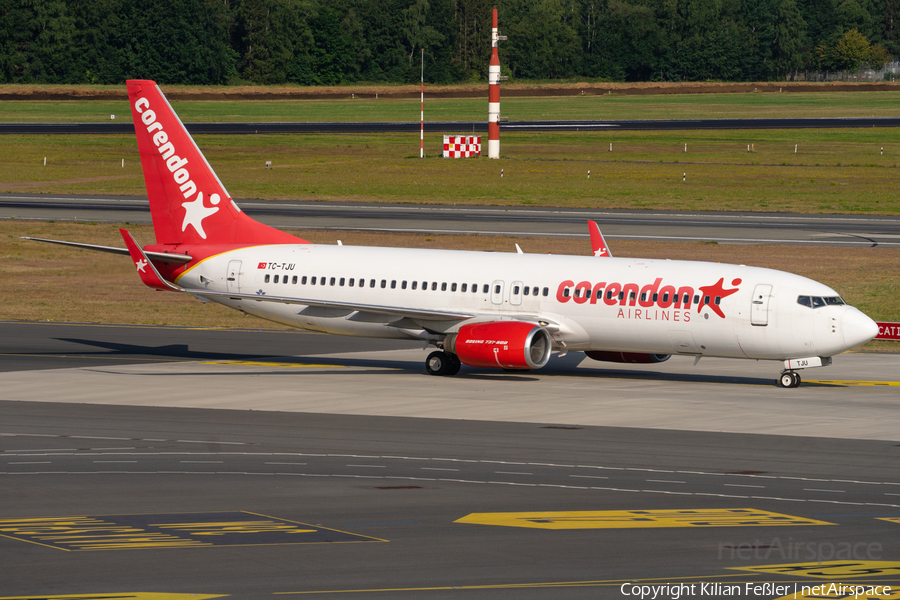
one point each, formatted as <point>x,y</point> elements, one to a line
<point>819,301</point>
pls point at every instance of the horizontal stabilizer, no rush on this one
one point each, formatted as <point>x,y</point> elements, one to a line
<point>178,259</point>
<point>149,275</point>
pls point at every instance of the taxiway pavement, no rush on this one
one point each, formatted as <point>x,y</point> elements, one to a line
<point>264,464</point>
<point>722,227</point>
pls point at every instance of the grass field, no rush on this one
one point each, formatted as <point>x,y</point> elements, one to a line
<point>832,171</point>
<point>48,282</point>
<point>613,107</point>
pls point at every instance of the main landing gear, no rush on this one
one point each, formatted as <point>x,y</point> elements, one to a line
<point>442,363</point>
<point>789,379</point>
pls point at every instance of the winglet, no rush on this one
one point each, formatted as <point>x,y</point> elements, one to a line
<point>598,244</point>
<point>149,275</point>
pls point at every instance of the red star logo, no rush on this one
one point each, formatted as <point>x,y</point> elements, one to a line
<point>710,292</point>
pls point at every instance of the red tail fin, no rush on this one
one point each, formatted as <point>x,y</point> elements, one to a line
<point>188,203</point>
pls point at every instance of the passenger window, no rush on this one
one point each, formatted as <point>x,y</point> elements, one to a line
<point>687,299</point>
<point>383,283</point>
<point>621,295</point>
<point>718,300</point>
<point>322,281</point>
<point>566,293</point>
<point>486,289</point>
<point>804,300</point>
<point>516,290</point>
<point>267,279</point>
<point>608,295</point>
<point>656,297</point>
<point>276,279</point>
<point>294,280</point>
<point>284,279</point>
<point>525,290</point>
<point>631,296</point>
<point>403,285</point>
<point>415,284</point>
<point>351,282</point>
<point>643,296</point>
<point>546,291</point>
<point>665,297</point>
<point>696,298</point>
<point>816,300</point>
<point>342,282</point>
<point>424,286</point>
<point>333,280</point>
<point>371,283</point>
<point>496,289</point>
<point>463,288</point>
<point>443,287</point>
<point>705,299</point>
<point>452,287</point>
<point>303,280</point>
<point>393,284</point>
<point>587,293</point>
<point>577,293</point>
<point>313,281</point>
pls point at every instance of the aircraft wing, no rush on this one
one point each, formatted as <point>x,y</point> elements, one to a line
<point>160,256</point>
<point>598,243</point>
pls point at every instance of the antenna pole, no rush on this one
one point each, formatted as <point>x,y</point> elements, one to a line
<point>422,98</point>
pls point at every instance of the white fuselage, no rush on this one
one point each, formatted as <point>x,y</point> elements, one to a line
<point>588,303</point>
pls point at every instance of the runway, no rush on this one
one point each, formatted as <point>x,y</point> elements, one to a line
<point>457,126</point>
<point>260,463</point>
<point>721,227</point>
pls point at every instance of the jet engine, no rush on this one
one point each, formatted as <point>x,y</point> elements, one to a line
<point>627,357</point>
<point>501,344</point>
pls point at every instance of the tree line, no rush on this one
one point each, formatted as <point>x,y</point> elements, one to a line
<point>329,42</point>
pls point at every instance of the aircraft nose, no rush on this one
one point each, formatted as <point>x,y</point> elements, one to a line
<point>858,328</point>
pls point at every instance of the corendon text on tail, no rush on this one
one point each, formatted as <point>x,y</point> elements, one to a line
<point>483,310</point>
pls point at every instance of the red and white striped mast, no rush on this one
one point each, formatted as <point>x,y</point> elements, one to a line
<point>422,98</point>
<point>494,80</point>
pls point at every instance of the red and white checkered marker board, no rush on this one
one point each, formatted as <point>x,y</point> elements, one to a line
<point>888,331</point>
<point>462,146</point>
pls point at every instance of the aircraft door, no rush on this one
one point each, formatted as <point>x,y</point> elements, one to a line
<point>497,292</point>
<point>759,308</point>
<point>515,293</point>
<point>233,276</point>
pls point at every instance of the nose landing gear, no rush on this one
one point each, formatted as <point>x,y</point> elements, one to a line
<point>789,379</point>
<point>442,363</point>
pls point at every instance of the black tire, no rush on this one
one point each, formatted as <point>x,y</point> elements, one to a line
<point>796,379</point>
<point>786,380</point>
<point>438,363</point>
<point>455,365</point>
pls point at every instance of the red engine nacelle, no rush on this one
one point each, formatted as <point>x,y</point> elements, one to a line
<point>501,344</point>
<point>627,357</point>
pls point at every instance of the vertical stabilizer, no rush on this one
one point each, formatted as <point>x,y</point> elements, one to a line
<point>188,203</point>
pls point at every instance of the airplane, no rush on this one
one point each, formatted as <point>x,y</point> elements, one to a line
<point>481,309</point>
